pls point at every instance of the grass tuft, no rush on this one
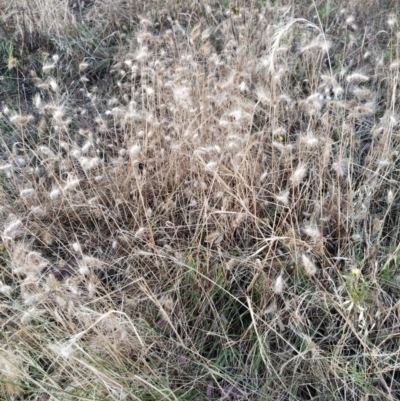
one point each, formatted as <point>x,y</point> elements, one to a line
<point>199,201</point>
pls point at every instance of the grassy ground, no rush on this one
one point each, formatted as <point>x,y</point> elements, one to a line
<point>199,200</point>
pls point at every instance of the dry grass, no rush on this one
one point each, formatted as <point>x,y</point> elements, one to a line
<point>199,201</point>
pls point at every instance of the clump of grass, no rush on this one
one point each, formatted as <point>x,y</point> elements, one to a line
<point>199,202</point>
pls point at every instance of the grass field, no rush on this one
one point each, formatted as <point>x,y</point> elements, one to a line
<point>199,200</point>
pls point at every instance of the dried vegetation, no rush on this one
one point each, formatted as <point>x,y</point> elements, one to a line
<point>199,200</point>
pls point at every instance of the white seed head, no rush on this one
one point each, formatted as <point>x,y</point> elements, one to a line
<point>48,67</point>
<point>338,91</point>
<point>53,84</point>
<point>283,197</point>
<point>309,265</point>
<point>279,285</point>
<point>89,163</point>
<point>55,193</point>
<point>28,193</point>
<point>310,140</point>
<point>5,289</point>
<point>232,264</point>
<point>6,167</point>
<point>313,232</point>
<point>243,86</point>
<point>76,247</point>
<point>299,174</point>
<point>38,211</point>
<point>33,299</point>
<point>272,308</point>
<point>142,54</point>
<point>341,168</point>
<point>35,263</point>
<point>47,151</point>
<point>20,120</point>
<point>66,351</point>
<point>93,262</point>
<point>83,268</point>
<point>83,66</point>
<point>134,151</point>
<point>12,229</point>
<point>149,91</point>
<point>362,93</point>
<point>211,166</point>
<point>91,287</point>
<point>392,20</point>
<point>357,77</point>
<point>30,315</point>
<point>61,301</point>
<point>37,101</point>
<point>72,182</point>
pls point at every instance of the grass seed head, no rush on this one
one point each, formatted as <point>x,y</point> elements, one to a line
<point>20,120</point>
<point>279,285</point>
<point>309,266</point>
<point>299,174</point>
<point>283,197</point>
<point>357,77</point>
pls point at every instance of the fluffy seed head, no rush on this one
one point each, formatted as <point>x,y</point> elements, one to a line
<point>27,194</point>
<point>390,196</point>
<point>308,265</point>
<point>83,66</point>
<point>299,174</point>
<point>72,182</point>
<point>76,247</point>
<point>211,166</point>
<point>310,140</point>
<point>283,197</point>
<point>55,193</point>
<point>5,289</point>
<point>357,77</point>
<point>134,151</point>
<point>279,285</point>
<point>66,351</point>
<point>33,299</point>
<point>313,232</point>
<point>12,230</point>
<point>89,163</point>
<point>140,232</point>
<point>48,67</point>
<point>20,120</point>
<point>53,84</point>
